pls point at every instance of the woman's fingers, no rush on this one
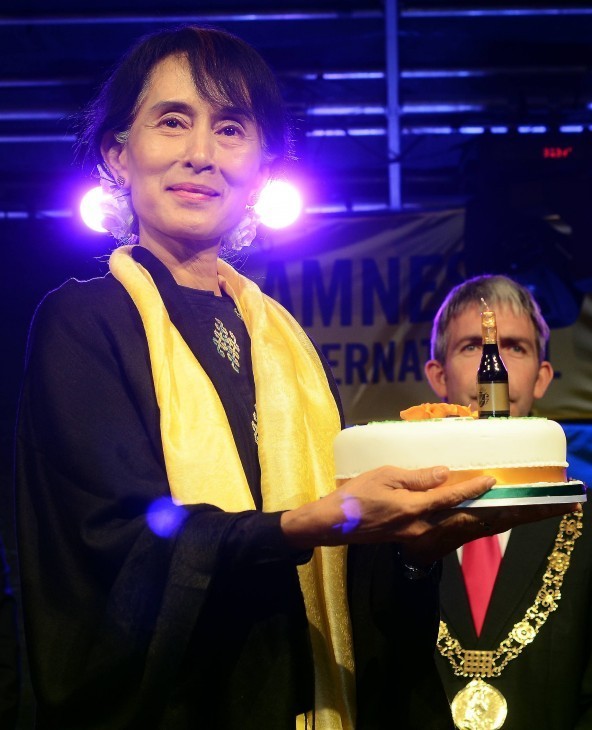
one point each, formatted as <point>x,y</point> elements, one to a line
<point>451,495</point>
<point>418,480</point>
<point>430,481</point>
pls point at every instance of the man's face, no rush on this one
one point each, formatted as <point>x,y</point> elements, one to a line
<point>456,379</point>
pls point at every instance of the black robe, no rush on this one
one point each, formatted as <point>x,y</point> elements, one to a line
<point>204,628</point>
<point>9,650</point>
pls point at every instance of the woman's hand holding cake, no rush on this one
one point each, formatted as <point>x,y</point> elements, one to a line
<point>387,504</point>
<point>410,507</point>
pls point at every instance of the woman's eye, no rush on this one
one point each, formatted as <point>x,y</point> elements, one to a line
<point>230,130</point>
<point>172,123</point>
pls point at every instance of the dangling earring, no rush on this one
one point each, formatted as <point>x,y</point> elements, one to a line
<point>118,215</point>
<point>243,234</point>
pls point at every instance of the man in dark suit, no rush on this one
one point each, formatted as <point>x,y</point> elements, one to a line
<point>527,661</point>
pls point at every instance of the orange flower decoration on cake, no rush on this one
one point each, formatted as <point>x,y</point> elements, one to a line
<point>426,411</point>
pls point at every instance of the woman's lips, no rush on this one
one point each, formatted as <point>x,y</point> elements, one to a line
<point>191,192</point>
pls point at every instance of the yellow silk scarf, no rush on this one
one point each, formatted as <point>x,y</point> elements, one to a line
<point>297,422</point>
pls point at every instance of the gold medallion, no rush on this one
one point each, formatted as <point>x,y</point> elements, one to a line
<point>479,706</point>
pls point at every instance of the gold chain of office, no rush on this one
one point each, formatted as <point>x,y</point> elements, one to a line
<point>467,663</point>
<point>479,705</point>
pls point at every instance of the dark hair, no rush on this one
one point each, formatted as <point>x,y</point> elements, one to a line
<point>496,290</point>
<point>225,70</point>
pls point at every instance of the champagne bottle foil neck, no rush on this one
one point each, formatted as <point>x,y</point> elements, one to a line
<point>489,334</point>
<point>488,318</point>
<point>488,327</point>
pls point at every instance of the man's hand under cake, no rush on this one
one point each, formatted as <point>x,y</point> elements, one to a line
<point>410,507</point>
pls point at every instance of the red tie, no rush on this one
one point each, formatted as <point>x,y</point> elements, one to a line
<point>480,562</point>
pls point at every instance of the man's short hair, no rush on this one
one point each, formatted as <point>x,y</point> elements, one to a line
<point>496,290</point>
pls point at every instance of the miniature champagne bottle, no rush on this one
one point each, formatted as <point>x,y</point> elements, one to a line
<point>492,377</point>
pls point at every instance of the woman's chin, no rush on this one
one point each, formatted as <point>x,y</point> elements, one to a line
<point>195,237</point>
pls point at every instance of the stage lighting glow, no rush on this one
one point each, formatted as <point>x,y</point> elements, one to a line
<point>165,517</point>
<point>90,209</point>
<point>425,108</point>
<point>353,75</point>
<point>326,133</point>
<point>427,130</point>
<point>334,111</point>
<point>279,204</point>
<point>369,132</point>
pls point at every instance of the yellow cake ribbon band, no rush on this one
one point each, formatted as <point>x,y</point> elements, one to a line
<point>197,439</point>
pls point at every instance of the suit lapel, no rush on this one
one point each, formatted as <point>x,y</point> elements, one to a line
<point>519,578</point>
<point>517,583</point>
<point>454,602</point>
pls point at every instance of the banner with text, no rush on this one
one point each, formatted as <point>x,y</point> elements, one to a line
<point>366,290</point>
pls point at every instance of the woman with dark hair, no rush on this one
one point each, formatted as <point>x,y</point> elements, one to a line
<point>182,543</point>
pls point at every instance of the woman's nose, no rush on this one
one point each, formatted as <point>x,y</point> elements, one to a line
<point>200,151</point>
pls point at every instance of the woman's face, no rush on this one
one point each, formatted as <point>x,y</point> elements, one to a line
<point>191,167</point>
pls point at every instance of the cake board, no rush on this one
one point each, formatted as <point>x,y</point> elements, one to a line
<point>530,494</point>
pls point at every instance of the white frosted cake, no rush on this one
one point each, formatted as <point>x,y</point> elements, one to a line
<point>527,456</point>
